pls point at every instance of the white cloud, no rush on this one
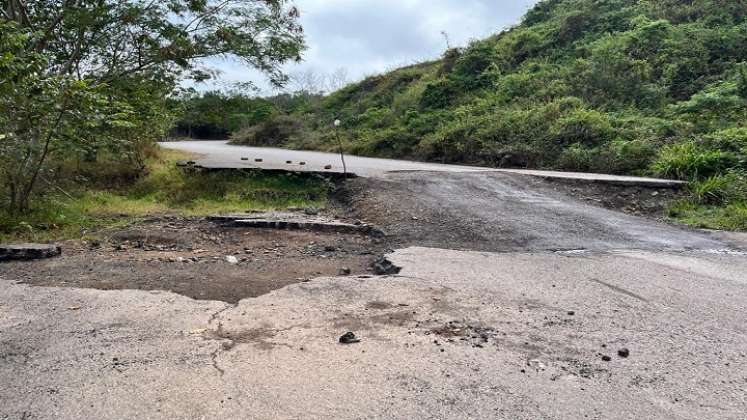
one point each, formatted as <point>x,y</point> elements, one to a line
<point>371,36</point>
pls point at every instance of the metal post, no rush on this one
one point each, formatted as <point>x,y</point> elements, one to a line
<point>339,143</point>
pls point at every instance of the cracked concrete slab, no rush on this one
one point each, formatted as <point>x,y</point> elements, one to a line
<point>221,155</point>
<point>455,335</point>
<point>295,221</point>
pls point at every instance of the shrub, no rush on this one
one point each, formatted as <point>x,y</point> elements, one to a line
<point>617,157</point>
<point>690,161</point>
<point>714,107</point>
<point>537,81</point>
<point>386,143</point>
<point>408,100</point>
<point>576,158</point>
<point>586,127</point>
<point>732,140</point>
<point>450,58</point>
<point>730,217</point>
<point>438,95</point>
<point>624,157</point>
<point>423,123</point>
<point>376,118</point>
<point>721,189</point>
<point>742,80</point>
<point>471,69</point>
<point>519,45</point>
<point>276,131</point>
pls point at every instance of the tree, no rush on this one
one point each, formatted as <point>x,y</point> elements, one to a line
<point>337,80</point>
<point>218,114</point>
<point>40,113</point>
<point>108,39</point>
<point>307,82</point>
<point>78,75</point>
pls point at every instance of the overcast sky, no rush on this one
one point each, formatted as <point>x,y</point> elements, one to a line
<point>367,37</point>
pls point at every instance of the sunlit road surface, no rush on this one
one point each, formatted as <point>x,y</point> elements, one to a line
<point>221,155</point>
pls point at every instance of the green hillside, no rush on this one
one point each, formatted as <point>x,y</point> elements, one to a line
<point>616,86</point>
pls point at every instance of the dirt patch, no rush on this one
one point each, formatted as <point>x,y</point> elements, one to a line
<point>456,331</point>
<point>379,305</point>
<point>485,212</point>
<point>200,259</point>
<point>641,201</point>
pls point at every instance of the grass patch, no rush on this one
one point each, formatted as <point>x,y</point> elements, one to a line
<point>729,217</point>
<point>718,202</point>
<point>165,190</point>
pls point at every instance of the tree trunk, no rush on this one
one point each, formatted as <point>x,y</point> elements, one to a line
<point>16,11</point>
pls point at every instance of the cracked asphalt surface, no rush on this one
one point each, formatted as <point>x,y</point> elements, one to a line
<point>505,212</point>
<point>515,301</point>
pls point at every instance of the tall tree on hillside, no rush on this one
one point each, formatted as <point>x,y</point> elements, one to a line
<point>79,74</point>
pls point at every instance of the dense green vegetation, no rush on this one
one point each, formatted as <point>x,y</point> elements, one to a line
<point>106,195</point>
<point>215,115</point>
<point>87,88</point>
<point>218,115</point>
<point>616,86</point>
<point>92,80</point>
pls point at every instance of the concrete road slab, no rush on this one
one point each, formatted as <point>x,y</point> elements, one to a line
<point>455,335</point>
<point>221,155</point>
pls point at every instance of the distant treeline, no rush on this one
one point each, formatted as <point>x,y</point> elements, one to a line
<point>219,115</point>
<point>215,115</point>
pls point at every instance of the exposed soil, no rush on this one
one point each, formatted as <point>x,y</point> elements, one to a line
<point>485,212</point>
<point>189,257</point>
<point>640,201</point>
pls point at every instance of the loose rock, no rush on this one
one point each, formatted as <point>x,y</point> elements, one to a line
<point>384,267</point>
<point>349,338</point>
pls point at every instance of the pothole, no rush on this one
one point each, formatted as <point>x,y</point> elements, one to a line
<point>202,260</point>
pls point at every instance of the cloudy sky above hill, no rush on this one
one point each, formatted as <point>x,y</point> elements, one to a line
<point>366,37</point>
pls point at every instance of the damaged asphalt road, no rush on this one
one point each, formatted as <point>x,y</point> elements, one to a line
<point>514,301</point>
<point>501,212</point>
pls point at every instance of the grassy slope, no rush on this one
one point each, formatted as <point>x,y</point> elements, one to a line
<point>615,86</point>
<point>578,80</point>
<point>166,190</point>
